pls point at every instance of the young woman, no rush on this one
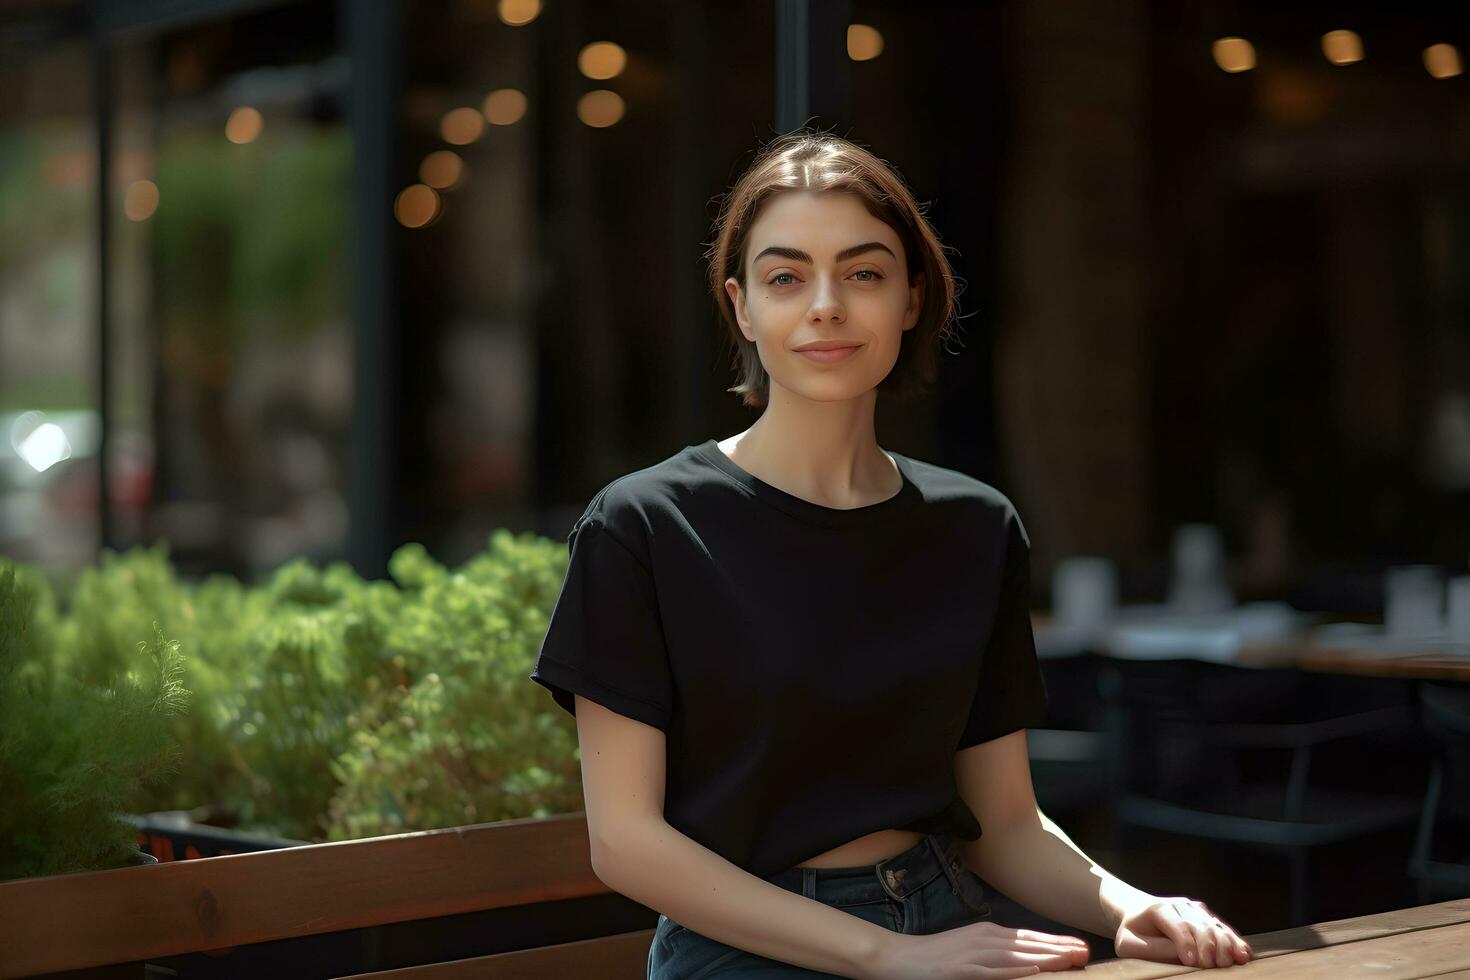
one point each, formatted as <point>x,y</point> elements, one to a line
<point>802,667</point>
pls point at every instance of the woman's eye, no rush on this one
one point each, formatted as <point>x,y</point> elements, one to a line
<point>775,280</point>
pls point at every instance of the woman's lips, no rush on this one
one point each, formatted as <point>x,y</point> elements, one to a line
<point>829,356</point>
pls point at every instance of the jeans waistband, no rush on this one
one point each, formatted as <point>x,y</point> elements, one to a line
<point>897,877</point>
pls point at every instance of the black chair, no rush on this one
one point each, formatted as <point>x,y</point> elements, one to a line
<point>1446,716</point>
<point>1195,749</point>
<point>1069,756</point>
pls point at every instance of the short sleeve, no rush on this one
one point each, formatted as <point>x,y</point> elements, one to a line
<point>605,641</point>
<point>1012,691</point>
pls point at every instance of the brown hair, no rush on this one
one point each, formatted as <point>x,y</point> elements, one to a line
<point>811,160</point>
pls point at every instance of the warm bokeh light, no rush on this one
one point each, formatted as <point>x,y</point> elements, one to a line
<point>461,126</point>
<point>1234,54</point>
<point>518,12</point>
<point>864,43</point>
<point>243,125</point>
<point>417,205</point>
<point>1292,95</point>
<point>600,108</point>
<point>602,60</point>
<point>1342,47</point>
<point>504,106</point>
<point>140,200</point>
<point>442,170</point>
<point>1442,60</point>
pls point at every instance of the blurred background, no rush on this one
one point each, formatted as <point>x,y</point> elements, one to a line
<point>319,278</point>
<point>286,279</point>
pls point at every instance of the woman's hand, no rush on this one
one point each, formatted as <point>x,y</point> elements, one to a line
<point>1178,929</point>
<point>978,951</point>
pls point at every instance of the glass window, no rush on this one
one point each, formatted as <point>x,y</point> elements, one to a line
<point>49,421</point>
<point>232,345</point>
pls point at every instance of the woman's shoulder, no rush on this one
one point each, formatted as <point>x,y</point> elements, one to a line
<point>630,505</point>
<point>990,507</point>
<point>940,484</point>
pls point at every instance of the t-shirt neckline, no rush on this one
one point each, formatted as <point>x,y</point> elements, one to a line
<point>710,451</point>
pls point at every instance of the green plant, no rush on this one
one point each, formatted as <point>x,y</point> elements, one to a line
<point>75,751</point>
<point>468,740</point>
<point>328,707</point>
<point>111,607</point>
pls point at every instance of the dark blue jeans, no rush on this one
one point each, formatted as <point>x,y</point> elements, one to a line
<point>924,890</point>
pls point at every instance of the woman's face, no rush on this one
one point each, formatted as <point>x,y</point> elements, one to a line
<point>819,267</point>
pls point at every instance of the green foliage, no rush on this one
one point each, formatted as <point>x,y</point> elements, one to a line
<point>74,751</point>
<point>469,740</point>
<point>327,707</point>
<point>225,271</point>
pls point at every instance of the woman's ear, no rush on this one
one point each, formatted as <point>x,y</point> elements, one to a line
<point>916,302</point>
<point>737,299</point>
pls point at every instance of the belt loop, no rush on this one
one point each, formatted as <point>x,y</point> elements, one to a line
<point>947,860</point>
<point>809,882</point>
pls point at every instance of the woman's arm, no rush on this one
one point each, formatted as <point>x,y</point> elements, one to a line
<point>1027,856</point>
<point>1023,853</point>
<point>635,852</point>
<point>657,866</point>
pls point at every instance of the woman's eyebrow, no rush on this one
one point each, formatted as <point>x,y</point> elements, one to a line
<point>797,255</point>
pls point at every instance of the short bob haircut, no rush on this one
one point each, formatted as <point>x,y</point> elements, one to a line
<point>807,159</point>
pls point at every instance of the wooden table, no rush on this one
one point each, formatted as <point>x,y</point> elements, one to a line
<point>1429,665</point>
<point>1427,941</point>
<point>1317,648</point>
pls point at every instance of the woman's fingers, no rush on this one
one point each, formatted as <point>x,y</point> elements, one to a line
<point>1159,948</point>
<point>1038,946</point>
<point>1042,961</point>
<point>1180,932</point>
<point>1073,950</point>
<point>1232,950</point>
<point>1227,947</point>
<point>1216,947</point>
<point>1219,945</point>
<point>1047,937</point>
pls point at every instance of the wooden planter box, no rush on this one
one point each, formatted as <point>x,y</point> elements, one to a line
<point>520,895</point>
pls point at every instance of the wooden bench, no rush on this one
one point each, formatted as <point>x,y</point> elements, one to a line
<point>92,920</point>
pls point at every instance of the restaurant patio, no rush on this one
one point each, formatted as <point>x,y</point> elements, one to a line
<point>321,323</point>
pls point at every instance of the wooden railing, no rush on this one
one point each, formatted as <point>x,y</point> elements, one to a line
<point>133,915</point>
<point>128,915</point>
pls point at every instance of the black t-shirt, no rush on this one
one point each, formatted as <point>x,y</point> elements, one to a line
<point>814,669</point>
